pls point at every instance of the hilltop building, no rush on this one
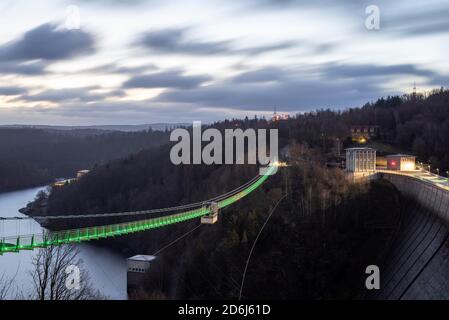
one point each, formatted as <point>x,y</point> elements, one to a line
<point>81,173</point>
<point>360,160</point>
<point>279,116</point>
<point>361,134</point>
<point>60,184</point>
<point>63,182</point>
<point>401,162</point>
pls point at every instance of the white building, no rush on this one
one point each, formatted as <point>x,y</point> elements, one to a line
<point>360,160</point>
<point>401,162</point>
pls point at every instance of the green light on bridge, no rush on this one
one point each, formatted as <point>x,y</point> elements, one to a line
<point>97,232</point>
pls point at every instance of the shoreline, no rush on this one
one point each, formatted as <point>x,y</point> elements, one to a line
<point>27,187</point>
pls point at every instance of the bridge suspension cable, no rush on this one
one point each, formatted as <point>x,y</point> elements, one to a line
<point>193,211</point>
<point>142,212</point>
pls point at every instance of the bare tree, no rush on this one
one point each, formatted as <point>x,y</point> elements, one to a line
<point>51,275</point>
<point>6,287</point>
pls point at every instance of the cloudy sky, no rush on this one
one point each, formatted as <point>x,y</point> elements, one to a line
<point>85,62</point>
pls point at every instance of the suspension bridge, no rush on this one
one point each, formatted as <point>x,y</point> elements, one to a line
<point>207,211</point>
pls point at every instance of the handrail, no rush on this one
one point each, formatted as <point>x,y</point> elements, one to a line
<point>15,244</point>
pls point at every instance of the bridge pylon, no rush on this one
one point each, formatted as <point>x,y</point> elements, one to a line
<point>212,216</point>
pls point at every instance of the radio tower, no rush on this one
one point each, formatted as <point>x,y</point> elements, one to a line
<point>414,90</point>
<point>275,115</point>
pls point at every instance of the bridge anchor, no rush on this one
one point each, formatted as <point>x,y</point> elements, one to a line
<point>212,217</point>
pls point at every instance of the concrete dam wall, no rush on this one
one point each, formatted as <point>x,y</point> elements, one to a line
<point>417,266</point>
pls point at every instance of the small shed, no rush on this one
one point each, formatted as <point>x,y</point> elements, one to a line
<point>401,162</point>
<point>138,268</point>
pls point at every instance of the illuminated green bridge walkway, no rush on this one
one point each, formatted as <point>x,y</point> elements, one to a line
<point>169,216</point>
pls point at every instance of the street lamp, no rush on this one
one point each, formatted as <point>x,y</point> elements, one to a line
<point>438,171</point>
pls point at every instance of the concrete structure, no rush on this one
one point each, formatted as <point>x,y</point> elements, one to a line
<point>424,188</point>
<point>81,173</point>
<point>138,267</point>
<point>401,162</point>
<point>360,160</point>
<point>212,217</point>
<point>418,263</point>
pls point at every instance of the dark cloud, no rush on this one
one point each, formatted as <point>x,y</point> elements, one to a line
<point>299,88</point>
<point>131,112</point>
<point>413,20</point>
<point>441,80</point>
<point>116,93</point>
<point>48,42</point>
<point>167,79</point>
<point>12,91</point>
<point>116,2</point>
<point>176,41</point>
<point>333,71</point>
<point>348,6</point>
<point>268,74</point>
<point>370,70</point>
<point>267,48</point>
<point>295,95</point>
<point>29,69</point>
<point>432,28</point>
<point>424,22</point>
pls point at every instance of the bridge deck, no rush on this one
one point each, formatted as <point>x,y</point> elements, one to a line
<point>30,242</point>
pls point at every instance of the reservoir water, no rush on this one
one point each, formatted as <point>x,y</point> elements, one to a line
<point>107,270</point>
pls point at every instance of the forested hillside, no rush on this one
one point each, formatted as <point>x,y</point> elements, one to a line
<point>32,157</point>
<point>317,244</point>
<point>21,174</point>
<point>419,123</point>
<point>322,235</point>
<point>143,181</point>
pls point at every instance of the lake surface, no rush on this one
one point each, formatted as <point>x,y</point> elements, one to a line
<point>107,270</point>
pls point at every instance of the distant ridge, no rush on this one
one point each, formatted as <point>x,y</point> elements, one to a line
<point>123,128</point>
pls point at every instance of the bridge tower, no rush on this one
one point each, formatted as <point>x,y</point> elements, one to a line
<point>212,217</point>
